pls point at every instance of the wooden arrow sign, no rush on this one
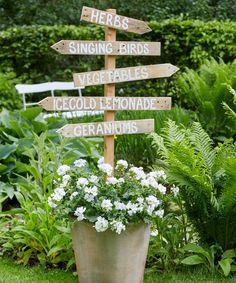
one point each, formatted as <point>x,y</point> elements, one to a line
<point>85,47</point>
<point>107,128</point>
<point>114,21</point>
<point>124,74</point>
<point>74,103</point>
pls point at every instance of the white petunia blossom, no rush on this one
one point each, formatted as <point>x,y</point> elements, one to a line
<point>160,213</point>
<point>79,212</point>
<point>106,204</point>
<point>162,189</point>
<point>73,195</point>
<point>58,194</point>
<point>121,180</point>
<point>119,205</point>
<point>51,203</point>
<point>138,172</point>
<point>174,190</point>
<point>106,168</point>
<point>112,181</point>
<point>145,183</point>
<point>117,226</point>
<point>158,174</point>
<point>101,224</point>
<point>101,160</point>
<point>121,164</point>
<point>152,200</point>
<point>89,197</point>
<point>154,233</point>
<point>132,208</point>
<point>62,170</point>
<point>80,163</point>
<point>91,190</point>
<point>82,182</point>
<point>150,209</point>
<point>93,179</point>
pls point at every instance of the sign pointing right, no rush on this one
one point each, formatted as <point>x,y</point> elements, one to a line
<point>124,74</point>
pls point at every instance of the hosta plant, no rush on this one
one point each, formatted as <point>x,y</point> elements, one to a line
<point>110,202</point>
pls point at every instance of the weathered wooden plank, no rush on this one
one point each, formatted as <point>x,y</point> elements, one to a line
<point>107,128</point>
<point>75,103</point>
<point>114,21</point>
<point>85,47</point>
<point>124,74</point>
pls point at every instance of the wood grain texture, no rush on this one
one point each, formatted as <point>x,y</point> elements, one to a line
<point>112,20</point>
<point>124,74</point>
<point>86,47</point>
<point>75,103</point>
<point>107,128</point>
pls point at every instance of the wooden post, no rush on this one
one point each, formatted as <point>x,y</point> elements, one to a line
<point>109,91</point>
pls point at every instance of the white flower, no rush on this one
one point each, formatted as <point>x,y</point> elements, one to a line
<point>62,170</point>
<point>157,174</point>
<point>119,205</point>
<point>82,182</point>
<point>112,181</point>
<point>65,180</point>
<point>106,204</point>
<point>150,209</point>
<point>121,164</point>
<point>138,172</point>
<point>58,194</point>
<point>154,233</point>
<point>79,212</point>
<point>145,182</point>
<point>101,161</point>
<point>140,200</point>
<point>118,226</point>
<point>74,194</point>
<point>93,179</point>
<point>160,213</point>
<point>121,180</point>
<point>152,182</point>
<point>162,189</point>
<point>152,200</point>
<point>132,208</point>
<point>80,163</point>
<point>101,224</point>
<point>91,190</point>
<point>51,203</point>
<point>106,168</point>
<point>174,190</point>
<point>89,197</point>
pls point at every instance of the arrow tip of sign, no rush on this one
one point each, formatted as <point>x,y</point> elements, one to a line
<point>173,69</point>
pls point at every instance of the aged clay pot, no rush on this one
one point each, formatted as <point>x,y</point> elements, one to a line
<point>107,257</point>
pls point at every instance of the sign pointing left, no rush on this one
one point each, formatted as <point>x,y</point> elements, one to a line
<point>113,20</point>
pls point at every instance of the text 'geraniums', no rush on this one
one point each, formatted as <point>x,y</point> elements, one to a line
<point>131,196</point>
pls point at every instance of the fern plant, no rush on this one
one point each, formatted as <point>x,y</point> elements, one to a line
<point>206,177</point>
<point>205,91</point>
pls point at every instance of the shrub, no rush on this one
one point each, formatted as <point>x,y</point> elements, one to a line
<point>206,178</point>
<point>207,91</point>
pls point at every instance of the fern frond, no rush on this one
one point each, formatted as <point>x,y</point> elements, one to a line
<point>202,143</point>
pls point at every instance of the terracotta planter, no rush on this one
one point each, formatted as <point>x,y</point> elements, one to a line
<point>107,257</point>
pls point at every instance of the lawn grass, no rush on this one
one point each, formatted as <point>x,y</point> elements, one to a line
<point>11,272</point>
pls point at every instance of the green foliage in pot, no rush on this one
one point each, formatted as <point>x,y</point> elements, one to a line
<point>93,195</point>
<point>205,90</point>
<point>206,178</point>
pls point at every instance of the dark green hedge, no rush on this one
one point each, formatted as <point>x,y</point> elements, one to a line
<point>27,49</point>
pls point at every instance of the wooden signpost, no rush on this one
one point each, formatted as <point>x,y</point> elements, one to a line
<point>75,103</point>
<point>110,19</point>
<point>124,74</point>
<point>109,77</point>
<point>107,128</point>
<point>85,47</point>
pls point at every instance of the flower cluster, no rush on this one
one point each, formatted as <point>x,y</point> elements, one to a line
<point>110,202</point>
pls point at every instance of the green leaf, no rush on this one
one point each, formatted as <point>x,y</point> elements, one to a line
<point>6,150</point>
<point>196,249</point>
<point>193,260</point>
<point>225,265</point>
<point>11,212</point>
<point>31,113</point>
<point>229,254</point>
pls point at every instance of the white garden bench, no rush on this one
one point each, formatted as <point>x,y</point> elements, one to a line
<point>24,89</point>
